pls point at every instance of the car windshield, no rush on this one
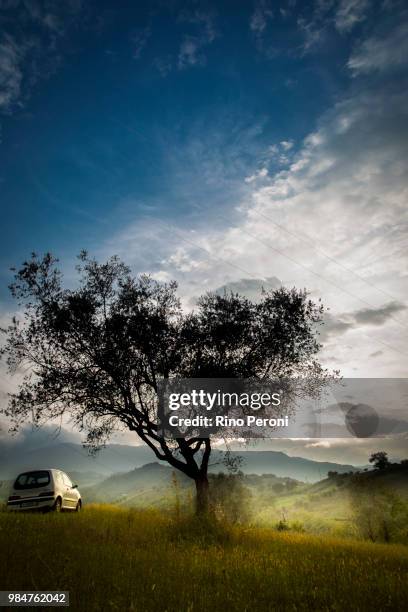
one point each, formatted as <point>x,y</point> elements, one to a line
<point>32,480</point>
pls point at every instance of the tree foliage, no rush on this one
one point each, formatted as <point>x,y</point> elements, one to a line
<point>379,460</point>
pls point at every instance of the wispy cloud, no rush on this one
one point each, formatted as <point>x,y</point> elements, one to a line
<point>259,19</point>
<point>349,13</point>
<point>312,33</point>
<point>381,53</point>
<point>139,40</point>
<point>191,51</point>
<point>201,32</point>
<point>338,325</point>
<point>205,21</point>
<point>164,65</point>
<point>11,72</point>
<point>24,60</point>
<point>260,174</point>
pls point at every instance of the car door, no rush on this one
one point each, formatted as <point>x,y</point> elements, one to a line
<point>70,498</point>
<point>60,488</point>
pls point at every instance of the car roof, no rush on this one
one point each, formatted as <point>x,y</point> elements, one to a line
<point>41,469</point>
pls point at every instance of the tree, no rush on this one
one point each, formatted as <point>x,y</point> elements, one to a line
<point>380,514</point>
<point>98,352</point>
<point>332,474</point>
<point>379,460</point>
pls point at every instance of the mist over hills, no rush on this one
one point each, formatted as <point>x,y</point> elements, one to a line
<point>118,458</point>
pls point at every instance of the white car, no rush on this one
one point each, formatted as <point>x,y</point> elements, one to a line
<point>44,490</point>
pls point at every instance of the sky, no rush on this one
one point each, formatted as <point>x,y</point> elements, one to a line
<point>234,144</point>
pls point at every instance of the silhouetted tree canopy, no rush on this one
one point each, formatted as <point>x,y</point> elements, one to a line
<point>379,460</point>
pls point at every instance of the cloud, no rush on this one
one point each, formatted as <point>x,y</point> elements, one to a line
<point>26,59</point>
<point>260,17</point>
<point>344,322</point>
<point>260,174</point>
<point>190,52</point>
<point>349,13</point>
<point>204,20</point>
<point>341,450</point>
<point>286,144</point>
<point>381,53</point>
<point>139,40</point>
<point>191,49</point>
<point>378,316</point>
<point>312,33</point>
<point>342,15</point>
<point>334,327</point>
<point>250,287</point>
<point>319,444</point>
<point>30,437</point>
<point>11,75</point>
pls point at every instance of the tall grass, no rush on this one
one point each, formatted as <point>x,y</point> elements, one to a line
<point>115,559</point>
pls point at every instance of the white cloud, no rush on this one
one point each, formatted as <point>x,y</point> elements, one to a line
<point>286,144</point>
<point>319,444</point>
<point>380,54</point>
<point>349,13</point>
<point>260,174</point>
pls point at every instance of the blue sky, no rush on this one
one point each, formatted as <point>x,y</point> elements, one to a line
<point>184,136</point>
<point>129,116</point>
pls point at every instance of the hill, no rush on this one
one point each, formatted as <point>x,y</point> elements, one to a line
<point>330,505</point>
<point>154,485</point>
<point>149,485</point>
<point>115,458</point>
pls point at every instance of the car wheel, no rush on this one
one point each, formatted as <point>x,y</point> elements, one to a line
<point>78,506</point>
<point>58,505</point>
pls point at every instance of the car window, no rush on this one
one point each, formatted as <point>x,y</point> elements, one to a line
<point>58,478</point>
<point>32,480</point>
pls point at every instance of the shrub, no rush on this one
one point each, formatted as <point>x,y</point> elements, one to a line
<point>230,498</point>
<point>380,515</point>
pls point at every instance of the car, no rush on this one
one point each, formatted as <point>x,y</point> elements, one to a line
<point>45,490</point>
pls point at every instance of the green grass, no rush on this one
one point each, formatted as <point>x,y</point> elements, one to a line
<point>116,559</point>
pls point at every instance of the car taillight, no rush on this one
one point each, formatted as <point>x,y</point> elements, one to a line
<point>14,497</point>
<point>46,493</point>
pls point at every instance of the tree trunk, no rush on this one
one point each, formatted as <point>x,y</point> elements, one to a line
<point>202,494</point>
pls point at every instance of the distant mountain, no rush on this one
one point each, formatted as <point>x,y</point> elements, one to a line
<point>116,458</point>
<point>280,464</point>
<point>74,458</point>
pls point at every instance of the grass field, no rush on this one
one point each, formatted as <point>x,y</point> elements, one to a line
<point>118,559</point>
